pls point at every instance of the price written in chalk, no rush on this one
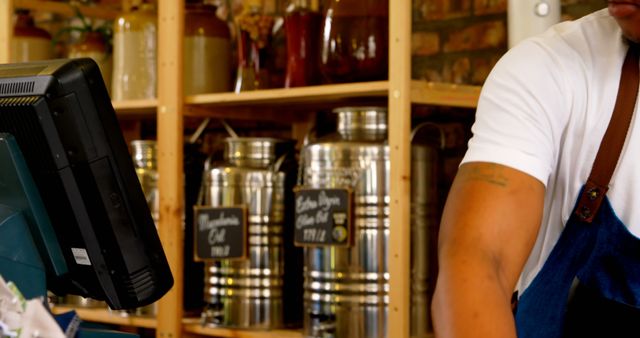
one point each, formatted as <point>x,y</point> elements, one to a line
<point>323,217</point>
<point>220,233</point>
<point>314,235</point>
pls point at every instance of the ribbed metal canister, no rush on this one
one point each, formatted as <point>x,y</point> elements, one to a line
<point>346,288</point>
<point>426,166</point>
<point>262,291</point>
<point>143,153</point>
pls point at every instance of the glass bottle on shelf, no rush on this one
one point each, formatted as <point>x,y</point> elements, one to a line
<point>254,35</point>
<point>277,53</point>
<point>29,42</point>
<point>355,41</point>
<point>135,54</point>
<point>207,50</point>
<point>302,27</point>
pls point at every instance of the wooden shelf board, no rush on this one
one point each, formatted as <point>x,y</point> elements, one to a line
<point>193,327</point>
<point>63,8</point>
<point>290,104</point>
<point>292,95</point>
<point>444,94</point>
<point>136,108</point>
<point>107,317</point>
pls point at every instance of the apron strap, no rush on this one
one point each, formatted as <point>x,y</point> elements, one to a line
<point>611,146</point>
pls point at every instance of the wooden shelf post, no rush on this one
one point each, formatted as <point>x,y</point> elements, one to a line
<point>170,159</point>
<point>400,176</point>
<point>6,29</point>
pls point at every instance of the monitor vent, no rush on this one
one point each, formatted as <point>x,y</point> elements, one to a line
<point>17,87</point>
<point>17,101</point>
<point>140,283</point>
<point>24,125</point>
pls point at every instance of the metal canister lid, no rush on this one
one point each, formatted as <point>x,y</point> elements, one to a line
<point>353,120</point>
<point>251,151</point>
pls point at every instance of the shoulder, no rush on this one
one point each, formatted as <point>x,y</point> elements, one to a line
<point>532,91</point>
<point>562,62</point>
<point>538,87</point>
<point>598,29</point>
<point>566,49</point>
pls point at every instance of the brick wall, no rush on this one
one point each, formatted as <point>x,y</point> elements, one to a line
<point>459,41</point>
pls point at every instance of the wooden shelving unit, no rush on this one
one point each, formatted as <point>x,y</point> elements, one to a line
<point>107,317</point>
<point>302,95</point>
<point>193,327</point>
<point>269,102</point>
<point>424,93</point>
<point>291,105</point>
<point>444,94</point>
<point>136,108</point>
<point>63,8</point>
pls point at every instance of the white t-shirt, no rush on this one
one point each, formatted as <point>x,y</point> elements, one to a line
<point>544,109</point>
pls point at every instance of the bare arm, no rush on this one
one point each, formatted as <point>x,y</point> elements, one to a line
<point>489,226</point>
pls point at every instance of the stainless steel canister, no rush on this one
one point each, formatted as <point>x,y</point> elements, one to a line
<point>144,157</point>
<point>346,289</point>
<point>263,291</point>
<point>426,163</point>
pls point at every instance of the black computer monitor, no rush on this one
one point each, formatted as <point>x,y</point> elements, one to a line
<point>63,122</point>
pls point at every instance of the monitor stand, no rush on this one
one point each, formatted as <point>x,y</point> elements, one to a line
<point>22,235</point>
<point>19,258</point>
<point>20,263</point>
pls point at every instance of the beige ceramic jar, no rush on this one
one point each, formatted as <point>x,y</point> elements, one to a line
<point>207,54</point>
<point>29,42</point>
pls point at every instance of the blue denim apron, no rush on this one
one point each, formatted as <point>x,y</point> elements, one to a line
<point>595,251</point>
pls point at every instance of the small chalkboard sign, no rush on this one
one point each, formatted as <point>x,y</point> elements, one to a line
<point>323,217</point>
<point>220,232</point>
